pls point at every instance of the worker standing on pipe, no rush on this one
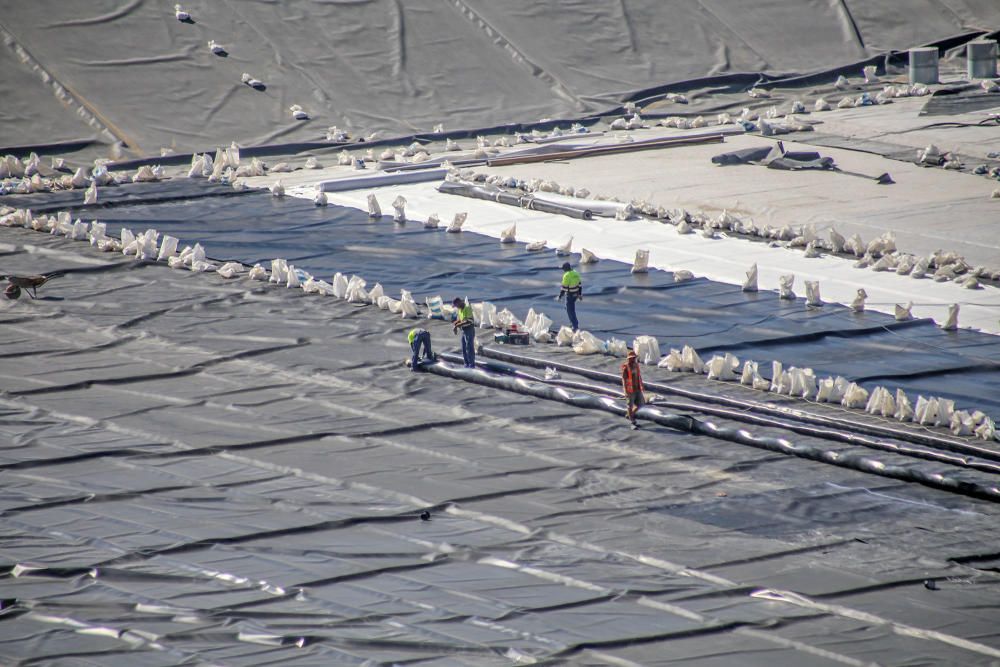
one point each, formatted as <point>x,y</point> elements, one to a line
<point>465,321</point>
<point>632,384</point>
<point>572,289</point>
<point>419,338</point>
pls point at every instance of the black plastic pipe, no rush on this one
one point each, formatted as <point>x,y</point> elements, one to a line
<point>870,429</point>
<point>741,436</point>
<point>503,197</point>
<point>749,418</point>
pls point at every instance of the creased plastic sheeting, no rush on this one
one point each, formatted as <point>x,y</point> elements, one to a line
<point>401,67</point>
<point>709,316</point>
<point>199,470</point>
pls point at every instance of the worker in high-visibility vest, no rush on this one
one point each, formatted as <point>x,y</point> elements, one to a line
<point>419,338</point>
<point>632,384</point>
<point>572,289</point>
<point>465,321</point>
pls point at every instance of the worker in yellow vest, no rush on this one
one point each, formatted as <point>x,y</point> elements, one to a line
<point>419,338</point>
<point>466,322</point>
<point>572,289</point>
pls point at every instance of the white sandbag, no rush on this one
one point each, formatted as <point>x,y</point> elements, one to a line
<point>90,196</point>
<point>197,166</point>
<point>647,349</point>
<point>962,423</point>
<point>399,209</point>
<point>168,248</point>
<point>587,257</point>
<point>564,336</point>
<point>356,290</point>
<point>79,231</point>
<point>230,270</point>
<point>435,307</point>
<point>320,199</point>
<point>785,283</point>
<point>79,179</point>
<point>98,232</point>
<point>432,221</point>
<point>197,254</point>
<point>407,306</point>
<point>902,313</point>
<point>858,304</point>
<point>672,361</point>
<point>641,263</point>
<point>831,390</point>
<point>682,276</point>
<point>869,72</point>
<point>541,329</point>
<point>951,324</point>
<point>925,411</point>
<point>535,246</point>
<point>585,342</point>
<point>946,408</point>
<point>279,271</point>
<point>147,242</point>
<point>566,248</point>
<point>821,105</point>
<point>750,369</point>
<point>339,285</point>
<point>144,174</point>
<point>376,293</point>
<point>690,360</point>
<point>457,222</point>
<point>855,246</point>
<point>920,268</point>
<point>203,266</point>
<point>750,284</point>
<point>855,396</point>
<point>776,372</point>
<point>128,240</point>
<point>506,319</point>
<point>617,347</point>
<point>485,315</point>
<point>374,210</point>
<point>760,383</point>
<point>812,293</point>
<point>384,302</point>
<point>508,235</point>
<point>722,367</point>
<point>803,382</point>
<point>986,430</point>
<point>258,272</point>
<point>904,411</point>
<point>313,286</point>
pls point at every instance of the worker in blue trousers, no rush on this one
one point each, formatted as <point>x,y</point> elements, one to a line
<point>572,289</point>
<point>465,321</point>
<point>419,338</point>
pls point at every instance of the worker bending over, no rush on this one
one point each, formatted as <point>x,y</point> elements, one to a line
<point>465,321</point>
<point>632,384</point>
<point>572,289</point>
<point>419,338</point>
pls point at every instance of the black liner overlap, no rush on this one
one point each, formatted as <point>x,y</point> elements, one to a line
<point>712,317</point>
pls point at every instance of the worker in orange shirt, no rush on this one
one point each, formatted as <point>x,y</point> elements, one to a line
<point>632,384</point>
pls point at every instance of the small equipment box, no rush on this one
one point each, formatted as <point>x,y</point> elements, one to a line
<point>512,336</point>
